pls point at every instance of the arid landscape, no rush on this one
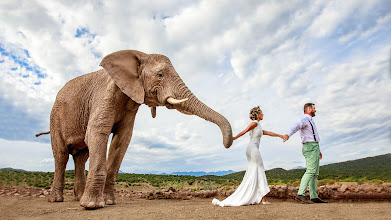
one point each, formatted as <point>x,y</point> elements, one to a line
<point>32,204</point>
<point>359,189</point>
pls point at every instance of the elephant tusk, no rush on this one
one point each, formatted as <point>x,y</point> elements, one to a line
<point>173,101</point>
<point>153,112</point>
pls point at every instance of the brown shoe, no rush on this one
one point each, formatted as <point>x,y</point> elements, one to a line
<point>303,199</point>
<point>318,200</point>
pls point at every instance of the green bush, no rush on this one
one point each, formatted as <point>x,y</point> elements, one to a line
<point>323,182</point>
<point>373,169</point>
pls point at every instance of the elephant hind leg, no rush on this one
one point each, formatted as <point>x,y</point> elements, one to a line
<point>80,159</point>
<point>61,156</point>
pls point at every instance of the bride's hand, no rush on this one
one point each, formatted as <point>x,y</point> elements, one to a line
<point>285,137</point>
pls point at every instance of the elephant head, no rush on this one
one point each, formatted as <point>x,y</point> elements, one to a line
<point>152,80</point>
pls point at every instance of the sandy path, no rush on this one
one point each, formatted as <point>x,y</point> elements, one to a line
<point>15,207</point>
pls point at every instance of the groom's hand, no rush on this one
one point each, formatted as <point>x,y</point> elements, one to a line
<point>285,137</point>
<point>320,155</point>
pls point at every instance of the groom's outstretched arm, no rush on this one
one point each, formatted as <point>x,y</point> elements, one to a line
<point>297,126</point>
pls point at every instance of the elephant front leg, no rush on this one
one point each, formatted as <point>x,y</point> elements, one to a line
<point>118,147</point>
<point>93,194</point>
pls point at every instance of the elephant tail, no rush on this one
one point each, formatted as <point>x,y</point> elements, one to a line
<point>37,135</point>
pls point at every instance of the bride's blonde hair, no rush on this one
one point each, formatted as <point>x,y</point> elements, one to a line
<point>254,113</point>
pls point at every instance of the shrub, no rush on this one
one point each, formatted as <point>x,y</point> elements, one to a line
<point>325,182</point>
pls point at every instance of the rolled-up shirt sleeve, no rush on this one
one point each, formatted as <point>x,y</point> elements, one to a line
<point>297,126</point>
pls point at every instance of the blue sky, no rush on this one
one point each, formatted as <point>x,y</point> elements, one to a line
<point>275,54</point>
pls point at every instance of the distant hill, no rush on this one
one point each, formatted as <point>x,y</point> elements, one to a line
<point>369,168</point>
<point>202,173</point>
<point>9,168</point>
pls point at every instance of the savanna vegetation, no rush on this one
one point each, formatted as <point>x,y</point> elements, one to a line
<point>372,169</point>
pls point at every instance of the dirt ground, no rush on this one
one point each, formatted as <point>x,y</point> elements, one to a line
<point>17,207</point>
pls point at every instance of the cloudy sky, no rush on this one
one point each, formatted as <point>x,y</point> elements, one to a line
<point>233,56</point>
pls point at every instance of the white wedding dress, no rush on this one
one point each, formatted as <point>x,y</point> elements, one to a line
<point>254,185</point>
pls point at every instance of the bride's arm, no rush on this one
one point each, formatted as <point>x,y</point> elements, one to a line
<point>249,128</point>
<point>272,134</point>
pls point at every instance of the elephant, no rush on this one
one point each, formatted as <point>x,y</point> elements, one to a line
<point>92,106</point>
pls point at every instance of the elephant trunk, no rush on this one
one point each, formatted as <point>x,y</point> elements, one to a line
<point>194,106</point>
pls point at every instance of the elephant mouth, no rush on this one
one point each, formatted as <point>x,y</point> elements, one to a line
<point>152,97</point>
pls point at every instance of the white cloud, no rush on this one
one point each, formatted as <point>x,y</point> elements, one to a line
<point>47,160</point>
<point>331,16</point>
<point>25,155</point>
<point>380,23</point>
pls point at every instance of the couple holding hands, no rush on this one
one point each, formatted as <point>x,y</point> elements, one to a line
<point>254,187</point>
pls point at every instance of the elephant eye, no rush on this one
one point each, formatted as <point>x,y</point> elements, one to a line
<point>160,75</point>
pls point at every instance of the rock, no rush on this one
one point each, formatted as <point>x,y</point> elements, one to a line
<point>335,186</point>
<point>386,184</point>
<point>171,189</point>
<point>366,188</point>
<point>208,194</point>
<point>353,184</point>
<point>343,188</point>
<point>337,195</point>
<point>292,192</point>
<point>281,193</point>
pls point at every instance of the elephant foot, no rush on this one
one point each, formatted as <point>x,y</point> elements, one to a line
<point>55,197</point>
<point>92,202</point>
<point>78,197</point>
<point>110,199</point>
<point>78,194</point>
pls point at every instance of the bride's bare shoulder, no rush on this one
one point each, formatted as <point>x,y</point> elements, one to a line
<point>253,124</point>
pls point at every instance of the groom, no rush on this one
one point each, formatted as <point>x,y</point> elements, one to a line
<point>310,139</point>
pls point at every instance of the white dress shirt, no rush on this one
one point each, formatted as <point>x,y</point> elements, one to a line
<point>306,133</point>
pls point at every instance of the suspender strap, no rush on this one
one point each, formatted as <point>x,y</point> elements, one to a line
<point>313,132</point>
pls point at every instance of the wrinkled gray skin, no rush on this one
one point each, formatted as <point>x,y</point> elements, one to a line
<point>91,107</point>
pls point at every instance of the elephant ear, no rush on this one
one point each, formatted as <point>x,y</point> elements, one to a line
<point>123,67</point>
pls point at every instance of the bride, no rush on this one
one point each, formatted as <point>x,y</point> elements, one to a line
<point>254,187</point>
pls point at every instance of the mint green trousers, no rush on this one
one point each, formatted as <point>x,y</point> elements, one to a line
<point>311,153</point>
